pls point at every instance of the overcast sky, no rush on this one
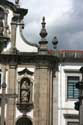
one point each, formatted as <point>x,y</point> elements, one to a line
<point>64,19</point>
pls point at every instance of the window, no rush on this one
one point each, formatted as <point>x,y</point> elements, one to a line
<point>1,21</point>
<point>72,91</point>
<point>0,79</point>
<point>1,13</point>
<point>72,123</point>
<point>24,121</point>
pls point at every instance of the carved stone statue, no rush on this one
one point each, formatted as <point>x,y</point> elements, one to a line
<point>25,90</point>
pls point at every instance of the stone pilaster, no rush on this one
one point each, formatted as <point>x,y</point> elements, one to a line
<point>42,96</point>
<point>3,95</point>
<point>13,34</point>
<point>11,104</point>
<point>55,99</point>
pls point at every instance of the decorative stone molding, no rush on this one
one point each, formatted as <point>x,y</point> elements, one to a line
<point>71,116</point>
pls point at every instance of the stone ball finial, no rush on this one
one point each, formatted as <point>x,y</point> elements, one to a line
<point>43,32</point>
<point>17,1</point>
<point>55,42</point>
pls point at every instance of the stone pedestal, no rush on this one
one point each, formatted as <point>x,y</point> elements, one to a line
<point>43,96</point>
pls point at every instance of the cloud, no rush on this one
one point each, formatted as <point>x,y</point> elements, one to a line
<point>69,28</point>
<point>64,18</point>
<point>54,11</point>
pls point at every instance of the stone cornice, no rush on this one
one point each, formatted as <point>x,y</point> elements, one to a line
<point>36,58</point>
<point>71,116</point>
<point>28,59</point>
<point>13,7</point>
<point>70,60</point>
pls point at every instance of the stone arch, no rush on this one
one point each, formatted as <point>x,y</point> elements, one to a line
<point>4,9</point>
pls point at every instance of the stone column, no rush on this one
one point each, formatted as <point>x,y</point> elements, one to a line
<point>81,99</point>
<point>13,34</point>
<point>14,24</point>
<point>11,104</point>
<point>43,96</point>
<point>13,37</point>
<point>55,99</point>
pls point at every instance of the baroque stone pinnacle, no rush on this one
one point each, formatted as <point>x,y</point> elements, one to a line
<point>43,32</point>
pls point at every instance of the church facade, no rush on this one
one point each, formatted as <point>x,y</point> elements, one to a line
<point>37,85</point>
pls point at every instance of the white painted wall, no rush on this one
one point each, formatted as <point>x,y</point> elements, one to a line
<point>21,45</point>
<point>65,106</point>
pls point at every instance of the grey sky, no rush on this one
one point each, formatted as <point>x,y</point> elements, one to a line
<point>64,19</point>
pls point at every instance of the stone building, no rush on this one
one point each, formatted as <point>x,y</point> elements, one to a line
<point>37,85</point>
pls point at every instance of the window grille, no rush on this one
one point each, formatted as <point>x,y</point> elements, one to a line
<point>72,91</point>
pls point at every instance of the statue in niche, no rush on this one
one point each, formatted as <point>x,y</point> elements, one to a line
<point>25,90</point>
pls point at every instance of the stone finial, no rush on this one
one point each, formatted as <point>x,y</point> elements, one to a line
<point>43,32</point>
<point>43,42</point>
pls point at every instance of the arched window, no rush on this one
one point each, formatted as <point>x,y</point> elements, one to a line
<point>24,121</point>
<point>2,15</point>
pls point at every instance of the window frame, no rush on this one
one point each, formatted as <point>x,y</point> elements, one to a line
<point>2,16</point>
<point>71,88</point>
<point>71,118</point>
<point>0,78</point>
<point>75,74</point>
<point>72,122</point>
